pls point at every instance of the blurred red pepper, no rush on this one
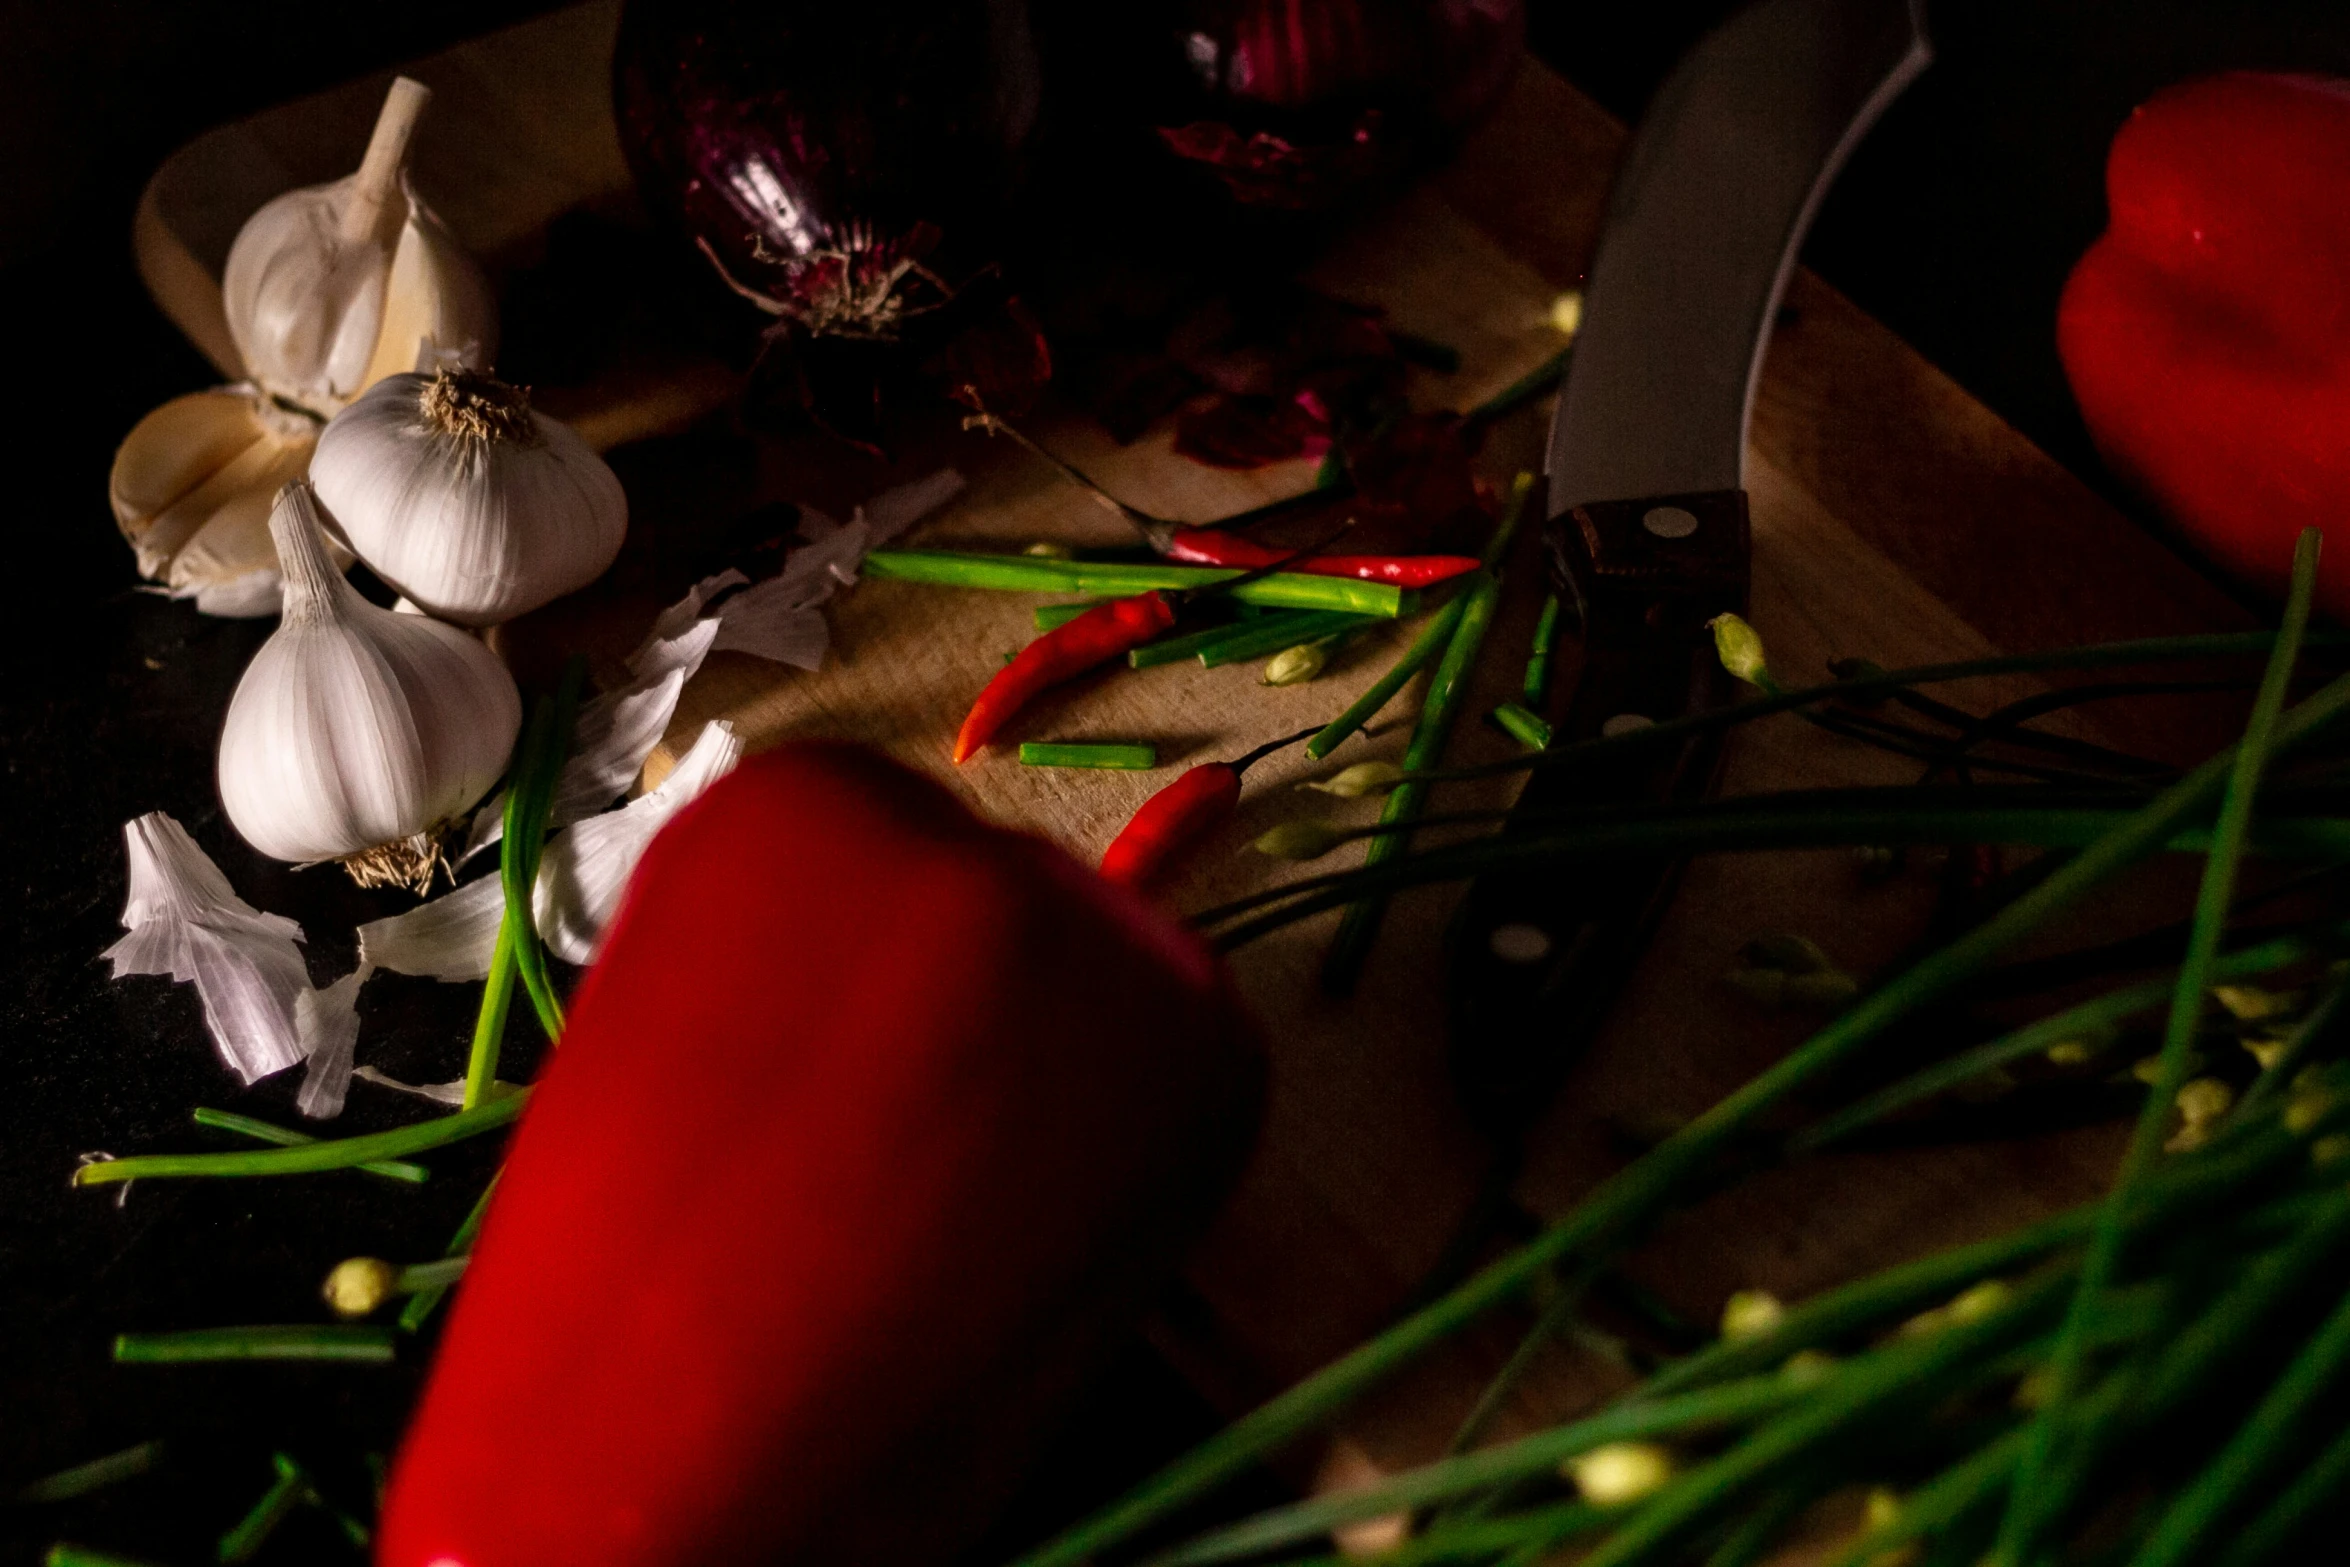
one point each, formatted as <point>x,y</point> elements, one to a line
<point>874,1128</point>
<point>1102,633</point>
<point>2207,334</point>
<point>1214,547</point>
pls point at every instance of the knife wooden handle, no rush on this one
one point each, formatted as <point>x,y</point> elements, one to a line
<point>1537,956</point>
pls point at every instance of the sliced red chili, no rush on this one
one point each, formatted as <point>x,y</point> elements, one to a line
<point>1170,821</point>
<point>1215,547</point>
<point>1102,633</point>
<point>1181,814</point>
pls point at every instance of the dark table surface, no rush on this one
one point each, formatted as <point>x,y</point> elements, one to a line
<point>1955,224</point>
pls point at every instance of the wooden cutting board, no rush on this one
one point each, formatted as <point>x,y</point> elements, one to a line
<point>1895,518</point>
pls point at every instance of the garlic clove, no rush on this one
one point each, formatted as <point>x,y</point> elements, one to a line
<point>463,498</point>
<point>315,292</point>
<point>182,463</point>
<point>437,307</point>
<point>357,734</point>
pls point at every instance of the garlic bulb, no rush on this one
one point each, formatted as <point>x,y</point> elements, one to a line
<point>191,491</point>
<point>331,287</point>
<point>456,493</point>
<point>356,734</point>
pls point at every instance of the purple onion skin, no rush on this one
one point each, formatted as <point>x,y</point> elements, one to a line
<point>1314,105</point>
<point>842,164</point>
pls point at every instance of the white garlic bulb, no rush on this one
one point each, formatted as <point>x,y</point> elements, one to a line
<point>357,734</point>
<point>457,493</point>
<point>331,287</point>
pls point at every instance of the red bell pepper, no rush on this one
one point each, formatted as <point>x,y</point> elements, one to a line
<point>1102,633</point>
<point>2207,334</point>
<point>874,1127</point>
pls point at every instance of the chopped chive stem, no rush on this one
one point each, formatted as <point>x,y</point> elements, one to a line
<point>1448,688</point>
<point>1260,639</point>
<point>297,1341</point>
<point>1119,758</point>
<point>1433,639</point>
<point>1542,658</point>
<point>440,1273</point>
<point>96,1475</point>
<point>1049,617</point>
<point>421,1305</point>
<point>243,1542</point>
<point>1027,574</point>
<point>1526,728</point>
<point>1173,650</point>
<point>338,1154</point>
<point>2033,1038</point>
<point>63,1554</point>
<point>287,1137</point>
<point>2019,1528</point>
<point>1621,1205</point>
<point>2095,656</point>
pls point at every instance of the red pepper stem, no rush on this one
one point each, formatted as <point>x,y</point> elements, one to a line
<point>1156,531</point>
<point>1242,764</point>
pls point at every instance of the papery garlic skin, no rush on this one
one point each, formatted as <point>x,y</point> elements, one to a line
<point>356,734</point>
<point>332,286</point>
<point>185,921</point>
<point>466,500</point>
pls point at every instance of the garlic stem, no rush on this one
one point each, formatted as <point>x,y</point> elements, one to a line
<point>314,589</point>
<point>378,204</point>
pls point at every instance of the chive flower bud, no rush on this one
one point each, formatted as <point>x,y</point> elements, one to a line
<point>358,1286</point>
<point>1740,648</point>
<point>2308,1106</point>
<point>2201,1103</point>
<point>2329,1149</point>
<point>1808,1367</point>
<point>1620,1473</point>
<point>1361,779</point>
<point>1049,549</point>
<point>1304,839</point>
<point>1882,1510</point>
<point>2250,1003</point>
<point>1751,1313</point>
<point>1566,313</point>
<point>1294,666</point>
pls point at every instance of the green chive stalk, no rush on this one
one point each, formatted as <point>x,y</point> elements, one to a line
<point>287,1137</point>
<point>297,1341</point>
<point>1433,639</point>
<point>96,1475</point>
<point>1448,688</point>
<point>1542,658</point>
<point>1620,1207</point>
<point>422,1304</point>
<point>1246,639</point>
<point>2020,1529</point>
<point>1114,579</point>
<point>341,1153</point>
<point>243,1542</point>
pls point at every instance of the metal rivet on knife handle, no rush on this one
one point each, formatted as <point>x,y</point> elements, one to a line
<point>1669,522</point>
<point>1625,723</point>
<point>1519,943</point>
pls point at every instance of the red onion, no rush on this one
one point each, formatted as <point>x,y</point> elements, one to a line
<point>839,163</point>
<point>1311,104</point>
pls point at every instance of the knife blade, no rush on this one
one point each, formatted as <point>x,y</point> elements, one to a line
<point>1646,535</point>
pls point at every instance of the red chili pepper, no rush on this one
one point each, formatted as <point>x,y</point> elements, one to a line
<point>2206,333</point>
<point>832,1197</point>
<point>1215,547</point>
<point>1102,633</point>
<point>1179,815</point>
